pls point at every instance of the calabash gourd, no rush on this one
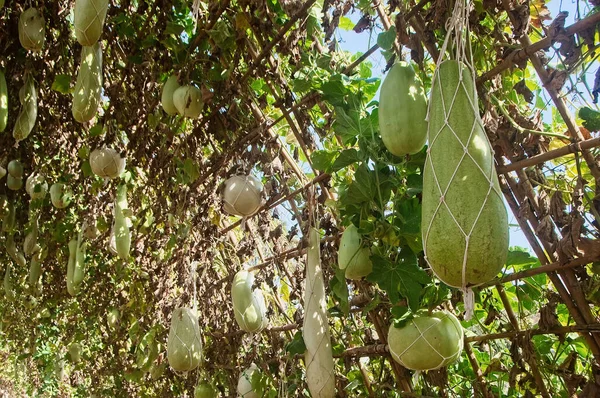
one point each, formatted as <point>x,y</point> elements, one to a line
<point>427,342</point>
<point>184,345</point>
<point>353,256</point>
<point>2,172</point>
<point>171,85</point>
<point>36,186</point>
<point>188,101</point>
<point>35,267</point>
<point>464,221</point>
<point>60,195</point>
<point>29,107</point>
<point>9,220</point>
<point>204,390</point>
<point>30,241</point>
<point>112,318</point>
<point>14,183</point>
<point>3,102</point>
<point>122,233</point>
<point>244,387</point>
<point>107,163</point>
<point>242,195</point>
<point>15,169</point>
<point>71,267</point>
<point>402,111</point>
<point>318,358</point>
<point>79,266</point>
<point>88,88</point>
<point>11,249</point>
<point>9,290</point>
<point>249,306</point>
<point>89,17</point>
<point>32,29</point>
<point>75,352</point>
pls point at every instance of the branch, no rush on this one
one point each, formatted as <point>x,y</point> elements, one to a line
<point>550,155</point>
<point>524,53</point>
<point>591,328</point>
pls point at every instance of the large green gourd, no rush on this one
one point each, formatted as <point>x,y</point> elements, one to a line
<point>3,102</point>
<point>89,20</point>
<point>29,107</point>
<point>88,88</point>
<point>402,111</point>
<point>464,221</point>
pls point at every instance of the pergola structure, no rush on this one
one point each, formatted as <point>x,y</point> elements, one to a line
<point>274,84</point>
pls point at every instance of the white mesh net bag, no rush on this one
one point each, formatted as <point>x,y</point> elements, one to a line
<point>89,20</point>
<point>464,221</point>
<point>427,342</point>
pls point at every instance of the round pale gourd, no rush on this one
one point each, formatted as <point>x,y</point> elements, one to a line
<point>402,111</point>
<point>89,20</point>
<point>249,306</point>
<point>242,195</point>
<point>168,91</point>
<point>36,186</point>
<point>427,342</point>
<point>244,387</point>
<point>3,102</point>
<point>204,390</point>
<point>2,172</point>
<point>60,195</point>
<point>188,101</point>
<point>107,163</point>
<point>352,256</point>
<point>87,94</point>
<point>14,183</point>
<point>15,168</point>
<point>32,29</point>
<point>184,346</point>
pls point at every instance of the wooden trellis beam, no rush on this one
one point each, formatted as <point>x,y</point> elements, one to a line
<point>550,155</point>
<point>544,269</point>
<point>529,50</point>
<point>591,328</point>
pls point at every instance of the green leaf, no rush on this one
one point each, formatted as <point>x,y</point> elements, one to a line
<point>296,346</point>
<point>402,278</point>
<point>346,158</point>
<point>346,23</point>
<point>322,160</point>
<point>591,118</point>
<point>334,91</point>
<point>340,290</point>
<point>520,258</point>
<point>174,29</point>
<point>191,170</point>
<point>96,130</point>
<point>363,188</point>
<point>408,213</point>
<point>385,40</point>
<point>62,84</point>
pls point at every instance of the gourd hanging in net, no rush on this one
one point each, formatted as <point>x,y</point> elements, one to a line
<point>427,342</point>
<point>464,222</point>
